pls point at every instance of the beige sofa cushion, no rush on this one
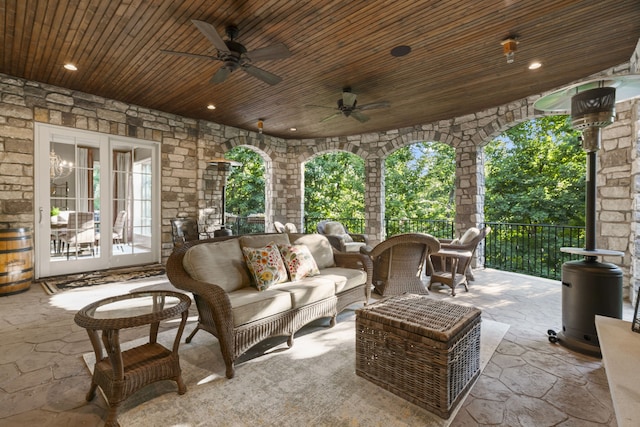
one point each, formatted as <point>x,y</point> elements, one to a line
<point>344,278</point>
<point>308,290</point>
<point>262,240</point>
<point>249,304</point>
<point>221,263</point>
<point>320,249</point>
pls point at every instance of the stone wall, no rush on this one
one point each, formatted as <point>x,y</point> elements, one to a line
<point>191,188</point>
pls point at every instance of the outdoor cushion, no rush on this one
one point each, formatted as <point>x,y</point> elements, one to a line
<point>248,304</point>
<point>353,246</point>
<point>266,266</point>
<point>221,263</point>
<point>343,278</point>
<point>307,290</point>
<point>319,247</point>
<point>261,240</point>
<point>334,228</point>
<point>469,235</point>
<point>298,261</point>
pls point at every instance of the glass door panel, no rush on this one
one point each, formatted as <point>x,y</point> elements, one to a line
<point>74,203</point>
<point>132,201</point>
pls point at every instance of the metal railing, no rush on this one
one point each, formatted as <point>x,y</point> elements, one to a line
<point>246,225</point>
<point>532,249</point>
<point>442,229</point>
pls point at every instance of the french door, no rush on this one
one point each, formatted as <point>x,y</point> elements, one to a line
<point>97,201</point>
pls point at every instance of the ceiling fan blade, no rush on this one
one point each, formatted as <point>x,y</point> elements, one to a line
<point>220,75</point>
<point>348,99</point>
<point>276,51</point>
<point>263,75</point>
<point>319,106</point>
<point>331,116</point>
<point>210,33</point>
<point>382,104</point>
<point>191,55</point>
<point>359,116</point>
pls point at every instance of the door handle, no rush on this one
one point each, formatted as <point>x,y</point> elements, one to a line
<point>40,220</point>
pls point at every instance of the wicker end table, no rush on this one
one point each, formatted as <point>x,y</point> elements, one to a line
<point>424,350</point>
<point>121,373</point>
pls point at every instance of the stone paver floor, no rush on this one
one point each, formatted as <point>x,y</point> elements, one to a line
<point>528,382</point>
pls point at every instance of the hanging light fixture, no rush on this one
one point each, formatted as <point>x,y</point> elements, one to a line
<point>58,168</point>
<point>509,47</point>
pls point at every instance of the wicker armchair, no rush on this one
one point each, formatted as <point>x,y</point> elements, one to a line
<point>184,230</point>
<point>340,238</point>
<point>451,266</point>
<point>398,263</point>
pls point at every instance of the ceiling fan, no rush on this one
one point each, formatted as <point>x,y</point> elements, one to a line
<point>348,107</point>
<point>234,55</point>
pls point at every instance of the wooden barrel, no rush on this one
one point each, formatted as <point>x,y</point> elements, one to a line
<point>16,260</point>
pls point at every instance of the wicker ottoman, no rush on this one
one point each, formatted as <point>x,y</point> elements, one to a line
<point>423,350</point>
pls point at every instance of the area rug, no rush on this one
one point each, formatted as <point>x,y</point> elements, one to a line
<point>55,284</point>
<point>311,384</point>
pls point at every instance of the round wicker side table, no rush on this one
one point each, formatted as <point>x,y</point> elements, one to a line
<point>122,373</point>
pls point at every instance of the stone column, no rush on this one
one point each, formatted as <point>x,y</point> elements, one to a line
<point>374,200</point>
<point>615,218</point>
<point>470,191</point>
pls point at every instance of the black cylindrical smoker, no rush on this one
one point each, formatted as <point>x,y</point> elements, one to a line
<point>589,287</point>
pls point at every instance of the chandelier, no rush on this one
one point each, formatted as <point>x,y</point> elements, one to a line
<point>58,168</point>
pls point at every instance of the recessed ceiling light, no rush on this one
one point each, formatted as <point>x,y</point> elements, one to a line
<point>211,107</point>
<point>293,129</point>
<point>535,65</point>
<point>70,67</point>
<point>400,50</point>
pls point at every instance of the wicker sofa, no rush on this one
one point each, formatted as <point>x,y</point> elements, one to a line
<point>231,307</point>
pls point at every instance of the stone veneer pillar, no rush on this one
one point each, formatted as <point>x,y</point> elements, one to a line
<point>470,191</point>
<point>614,188</point>
<point>374,199</point>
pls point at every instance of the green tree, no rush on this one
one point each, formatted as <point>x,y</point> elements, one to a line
<point>245,186</point>
<point>535,173</point>
<point>419,182</point>
<point>334,186</point>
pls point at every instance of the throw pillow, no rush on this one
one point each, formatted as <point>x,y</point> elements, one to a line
<point>266,265</point>
<point>298,261</point>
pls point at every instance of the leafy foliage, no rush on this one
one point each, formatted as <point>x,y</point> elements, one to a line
<point>245,187</point>
<point>420,181</point>
<point>535,173</point>
<point>334,186</point>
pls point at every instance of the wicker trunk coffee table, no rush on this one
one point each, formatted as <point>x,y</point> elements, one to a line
<point>424,350</point>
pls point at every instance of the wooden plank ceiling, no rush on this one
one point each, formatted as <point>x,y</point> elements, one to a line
<point>456,65</point>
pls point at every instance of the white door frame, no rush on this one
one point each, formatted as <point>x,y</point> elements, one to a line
<point>44,134</point>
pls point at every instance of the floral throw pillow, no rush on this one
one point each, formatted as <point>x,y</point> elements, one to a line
<point>298,261</point>
<point>266,265</point>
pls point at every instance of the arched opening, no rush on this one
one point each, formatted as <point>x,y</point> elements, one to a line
<point>245,206</point>
<point>534,196</point>
<point>334,189</point>
<point>420,189</point>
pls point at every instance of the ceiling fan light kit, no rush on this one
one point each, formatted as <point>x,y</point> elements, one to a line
<point>347,106</point>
